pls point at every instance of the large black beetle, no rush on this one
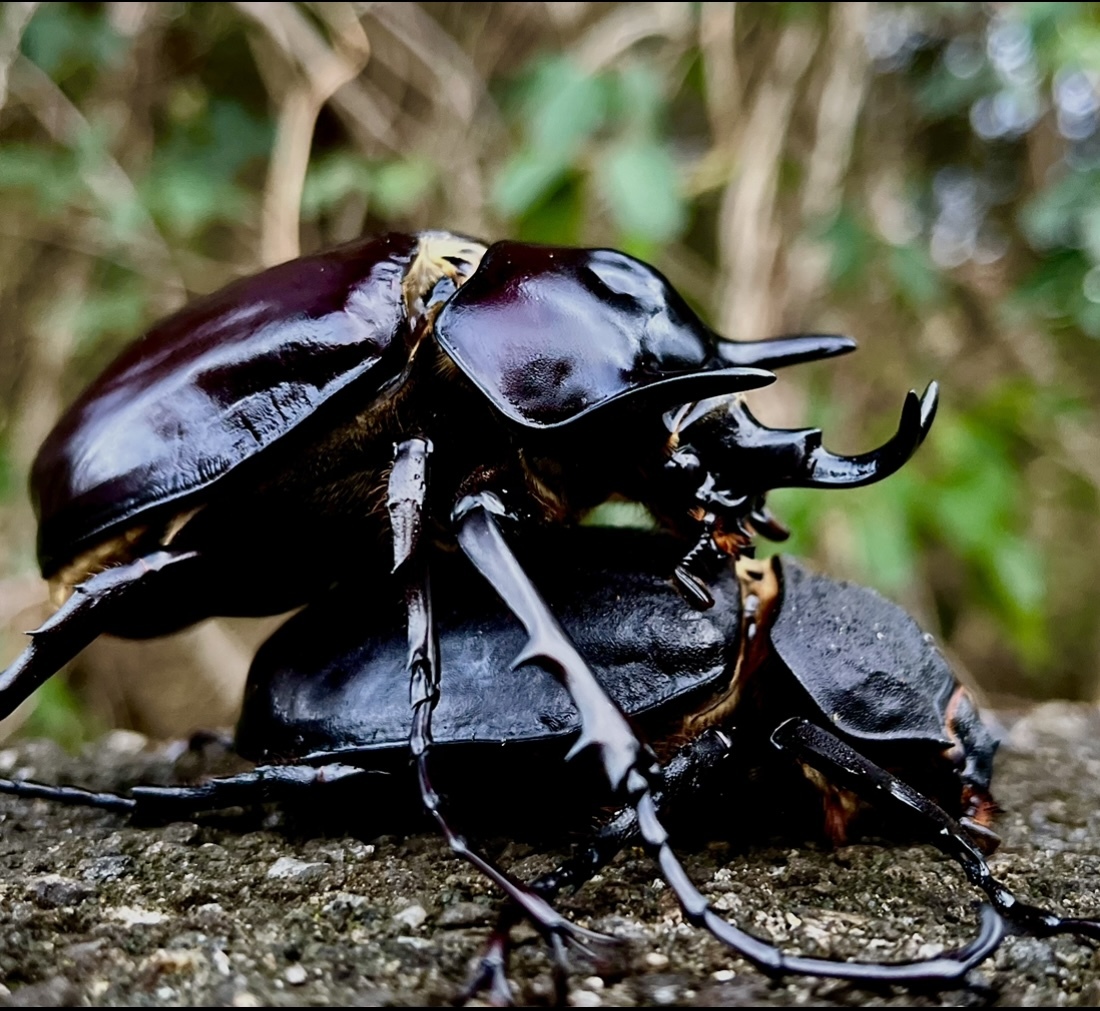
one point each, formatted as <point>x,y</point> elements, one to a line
<point>234,459</point>
<point>791,676</point>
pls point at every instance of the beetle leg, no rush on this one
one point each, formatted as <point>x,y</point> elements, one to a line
<point>603,726</point>
<point>406,499</point>
<point>262,785</point>
<point>831,756</point>
<point>629,766</point>
<point>94,604</point>
<point>769,959</point>
<point>695,760</point>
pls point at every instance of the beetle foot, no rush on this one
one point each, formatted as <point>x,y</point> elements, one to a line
<point>489,977</point>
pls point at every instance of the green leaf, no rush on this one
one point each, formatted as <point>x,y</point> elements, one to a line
<point>887,539</point>
<point>59,715</point>
<point>916,278</point>
<point>638,180</point>
<point>637,99</point>
<point>63,38</point>
<point>525,180</point>
<point>564,107</point>
<point>850,249</point>
<point>1019,569</point>
<point>942,94</point>
<point>51,177</point>
<point>558,218</point>
<point>330,180</point>
<point>185,199</point>
<point>118,309</point>
<point>400,186</point>
<point>1050,219</point>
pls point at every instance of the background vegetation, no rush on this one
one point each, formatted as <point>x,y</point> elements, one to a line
<point>923,176</point>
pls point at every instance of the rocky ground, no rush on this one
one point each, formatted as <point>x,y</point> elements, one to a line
<point>246,912</point>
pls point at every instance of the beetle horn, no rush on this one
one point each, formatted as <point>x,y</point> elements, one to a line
<point>737,459</point>
<point>823,469</point>
<point>778,352</point>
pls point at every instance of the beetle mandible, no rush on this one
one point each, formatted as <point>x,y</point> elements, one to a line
<point>234,460</point>
<point>842,682</point>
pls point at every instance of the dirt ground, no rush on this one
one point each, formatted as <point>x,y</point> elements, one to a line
<point>249,912</point>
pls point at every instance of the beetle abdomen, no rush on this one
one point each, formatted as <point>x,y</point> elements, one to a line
<point>217,383</point>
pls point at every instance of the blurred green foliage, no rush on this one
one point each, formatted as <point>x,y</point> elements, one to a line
<point>923,176</point>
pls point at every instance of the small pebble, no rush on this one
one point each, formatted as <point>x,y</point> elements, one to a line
<point>54,891</point>
<point>463,914</point>
<point>656,960</point>
<point>134,916</point>
<point>290,869</point>
<point>295,975</point>
<point>664,995</point>
<point>106,868</point>
<point>412,916</point>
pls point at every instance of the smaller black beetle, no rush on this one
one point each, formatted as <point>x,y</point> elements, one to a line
<point>842,683</point>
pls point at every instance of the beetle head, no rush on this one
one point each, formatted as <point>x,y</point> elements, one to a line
<point>731,461</point>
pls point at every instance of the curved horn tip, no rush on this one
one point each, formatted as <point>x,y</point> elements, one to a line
<point>789,349</point>
<point>755,378</point>
<point>928,405</point>
<point>929,402</point>
<point>911,414</point>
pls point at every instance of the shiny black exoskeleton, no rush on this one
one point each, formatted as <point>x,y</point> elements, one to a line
<point>274,438</point>
<point>791,675</point>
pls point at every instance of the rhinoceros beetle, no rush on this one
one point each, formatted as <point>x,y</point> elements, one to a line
<point>234,460</point>
<point>789,674</point>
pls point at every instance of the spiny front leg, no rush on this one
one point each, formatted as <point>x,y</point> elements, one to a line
<point>684,777</point>
<point>603,725</point>
<point>407,495</point>
<point>95,605</point>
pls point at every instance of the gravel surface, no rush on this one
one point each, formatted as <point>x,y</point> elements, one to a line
<point>250,910</point>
